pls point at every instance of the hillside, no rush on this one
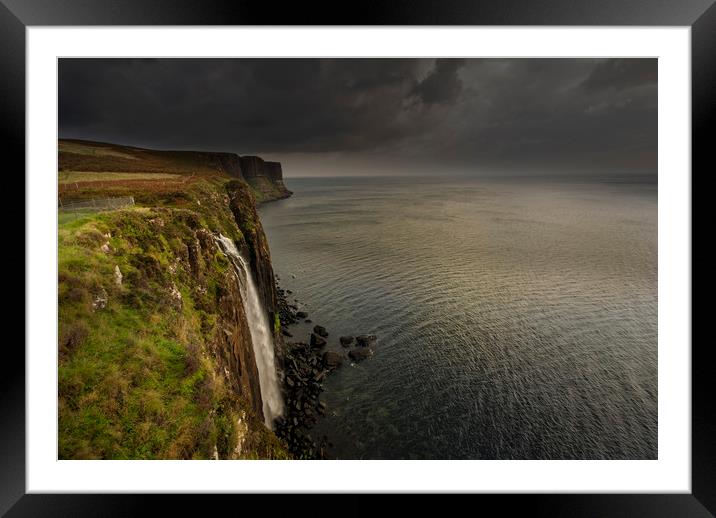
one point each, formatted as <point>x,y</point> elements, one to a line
<point>155,350</point>
<point>94,164</point>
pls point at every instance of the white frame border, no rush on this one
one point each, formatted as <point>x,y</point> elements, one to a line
<point>670,473</point>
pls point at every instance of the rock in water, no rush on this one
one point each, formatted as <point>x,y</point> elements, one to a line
<point>320,330</point>
<point>331,360</point>
<point>346,340</point>
<point>301,314</point>
<point>360,353</point>
<point>365,340</point>
<point>317,341</point>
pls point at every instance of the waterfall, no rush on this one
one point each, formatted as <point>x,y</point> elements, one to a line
<point>261,336</point>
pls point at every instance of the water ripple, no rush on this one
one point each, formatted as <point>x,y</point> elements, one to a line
<point>514,321</point>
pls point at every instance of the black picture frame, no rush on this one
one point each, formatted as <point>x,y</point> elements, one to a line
<point>17,15</point>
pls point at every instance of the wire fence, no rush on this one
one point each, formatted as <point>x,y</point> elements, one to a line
<point>95,204</point>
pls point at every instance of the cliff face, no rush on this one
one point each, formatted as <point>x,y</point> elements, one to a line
<point>266,178</point>
<point>243,206</point>
<point>156,356</point>
<point>230,163</point>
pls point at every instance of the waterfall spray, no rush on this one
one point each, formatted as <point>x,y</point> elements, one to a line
<point>261,336</point>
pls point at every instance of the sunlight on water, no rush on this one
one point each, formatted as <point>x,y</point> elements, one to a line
<point>515,319</point>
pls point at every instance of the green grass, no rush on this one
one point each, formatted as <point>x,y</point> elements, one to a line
<point>276,323</point>
<point>258,195</point>
<point>63,218</point>
<point>138,378</point>
<point>67,177</point>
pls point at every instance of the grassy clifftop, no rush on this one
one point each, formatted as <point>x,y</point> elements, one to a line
<point>155,355</point>
<point>93,167</point>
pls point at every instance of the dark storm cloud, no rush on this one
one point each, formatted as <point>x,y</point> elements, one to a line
<point>620,74</point>
<point>474,114</point>
<point>442,85</point>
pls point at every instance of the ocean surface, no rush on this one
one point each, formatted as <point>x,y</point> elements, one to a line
<point>516,318</point>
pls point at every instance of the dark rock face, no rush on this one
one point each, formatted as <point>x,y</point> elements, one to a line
<point>229,163</point>
<point>317,341</point>
<point>251,166</point>
<point>234,346</point>
<point>359,353</point>
<point>273,170</point>
<point>346,340</point>
<point>243,206</point>
<point>256,249</point>
<point>332,360</point>
<point>265,177</point>
<point>320,330</point>
<point>365,340</point>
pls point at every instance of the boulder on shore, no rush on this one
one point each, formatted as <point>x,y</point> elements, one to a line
<point>360,353</point>
<point>346,340</point>
<point>317,341</point>
<point>320,330</point>
<point>331,360</point>
<point>365,340</point>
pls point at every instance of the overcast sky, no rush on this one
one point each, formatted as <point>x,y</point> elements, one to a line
<point>375,116</point>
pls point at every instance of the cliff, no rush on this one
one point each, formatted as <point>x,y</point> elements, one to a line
<point>156,359</point>
<point>265,178</point>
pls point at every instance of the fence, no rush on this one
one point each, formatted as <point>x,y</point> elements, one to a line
<point>96,204</point>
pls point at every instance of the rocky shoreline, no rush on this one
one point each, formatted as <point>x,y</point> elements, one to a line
<point>305,367</point>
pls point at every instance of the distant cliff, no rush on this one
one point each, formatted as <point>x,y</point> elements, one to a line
<point>264,178</point>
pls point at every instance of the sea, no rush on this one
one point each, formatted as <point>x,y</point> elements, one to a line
<point>516,316</point>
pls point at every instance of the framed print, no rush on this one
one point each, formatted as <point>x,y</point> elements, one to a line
<point>429,249</point>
